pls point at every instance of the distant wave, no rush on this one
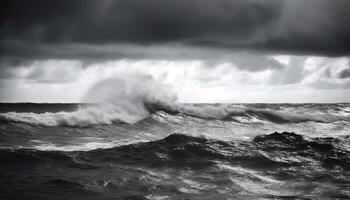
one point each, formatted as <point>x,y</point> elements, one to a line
<point>110,113</point>
<point>234,113</point>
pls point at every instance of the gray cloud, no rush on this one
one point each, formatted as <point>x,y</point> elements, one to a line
<point>257,62</point>
<point>291,74</point>
<point>48,71</point>
<point>9,67</point>
<point>345,73</point>
<point>330,85</point>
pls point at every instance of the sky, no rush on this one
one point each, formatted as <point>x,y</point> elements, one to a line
<point>229,51</point>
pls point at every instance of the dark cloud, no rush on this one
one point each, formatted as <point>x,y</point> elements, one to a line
<point>36,28</point>
<point>345,73</point>
<point>250,61</point>
<point>137,21</point>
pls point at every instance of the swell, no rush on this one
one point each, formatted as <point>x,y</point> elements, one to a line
<point>275,166</point>
<point>277,150</point>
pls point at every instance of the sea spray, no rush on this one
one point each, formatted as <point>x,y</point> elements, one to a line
<point>131,89</point>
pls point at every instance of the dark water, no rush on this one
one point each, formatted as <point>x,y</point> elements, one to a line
<point>204,151</point>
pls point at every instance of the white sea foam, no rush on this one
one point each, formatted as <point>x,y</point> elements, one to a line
<point>104,114</point>
<point>134,110</point>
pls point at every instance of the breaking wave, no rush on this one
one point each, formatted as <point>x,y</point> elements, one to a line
<point>123,98</point>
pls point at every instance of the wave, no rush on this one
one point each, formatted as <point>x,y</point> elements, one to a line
<point>123,98</point>
<point>278,166</point>
<point>109,113</point>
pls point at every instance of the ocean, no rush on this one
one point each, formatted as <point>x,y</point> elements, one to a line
<point>137,150</point>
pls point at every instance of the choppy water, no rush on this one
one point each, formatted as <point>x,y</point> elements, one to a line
<point>174,151</point>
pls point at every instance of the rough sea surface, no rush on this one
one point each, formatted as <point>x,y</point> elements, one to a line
<point>151,150</point>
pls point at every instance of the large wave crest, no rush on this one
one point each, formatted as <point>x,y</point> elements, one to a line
<point>124,98</point>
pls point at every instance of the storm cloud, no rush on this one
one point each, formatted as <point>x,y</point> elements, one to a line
<point>81,28</point>
<point>208,50</point>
